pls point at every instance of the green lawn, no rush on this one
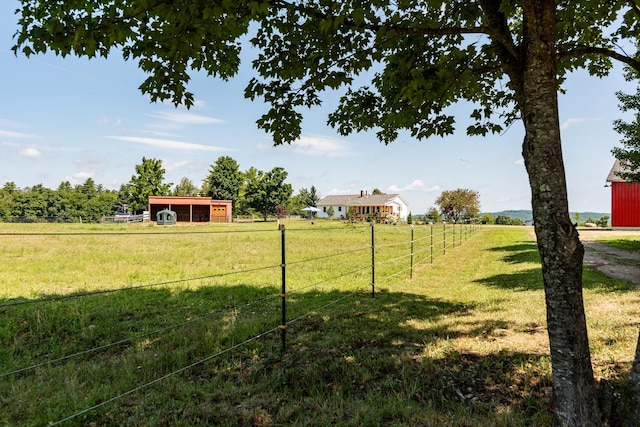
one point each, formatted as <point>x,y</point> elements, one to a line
<point>187,331</point>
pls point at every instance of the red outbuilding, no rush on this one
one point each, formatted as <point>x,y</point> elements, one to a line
<point>625,200</point>
<point>192,209</point>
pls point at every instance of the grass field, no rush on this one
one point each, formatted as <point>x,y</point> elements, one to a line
<point>185,329</point>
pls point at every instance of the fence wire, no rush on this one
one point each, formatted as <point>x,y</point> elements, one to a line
<point>437,245</point>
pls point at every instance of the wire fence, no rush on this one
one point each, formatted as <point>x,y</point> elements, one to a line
<point>275,281</point>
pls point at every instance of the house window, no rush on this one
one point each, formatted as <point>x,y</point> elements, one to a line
<point>339,208</point>
<point>324,209</point>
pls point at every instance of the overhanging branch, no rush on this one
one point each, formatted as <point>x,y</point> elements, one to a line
<point>593,50</point>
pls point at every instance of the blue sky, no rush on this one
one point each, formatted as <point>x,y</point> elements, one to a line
<point>69,119</point>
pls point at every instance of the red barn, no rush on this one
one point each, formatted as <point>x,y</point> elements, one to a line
<point>625,200</point>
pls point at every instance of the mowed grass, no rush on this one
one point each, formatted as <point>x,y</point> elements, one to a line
<point>186,329</point>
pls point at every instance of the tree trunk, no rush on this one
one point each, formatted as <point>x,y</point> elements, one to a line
<point>634,385</point>
<point>561,253</point>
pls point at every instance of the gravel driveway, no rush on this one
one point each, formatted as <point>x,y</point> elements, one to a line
<point>617,263</point>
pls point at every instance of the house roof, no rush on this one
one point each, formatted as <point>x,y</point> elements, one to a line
<point>357,200</point>
<point>615,170</point>
<point>337,200</point>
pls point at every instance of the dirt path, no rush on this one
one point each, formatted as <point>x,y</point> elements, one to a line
<point>617,263</point>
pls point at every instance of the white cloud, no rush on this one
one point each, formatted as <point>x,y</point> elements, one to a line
<point>10,134</point>
<point>314,146</point>
<point>30,153</point>
<point>416,185</point>
<point>519,161</point>
<point>163,134</point>
<point>571,122</point>
<point>174,165</point>
<point>185,118</point>
<point>79,177</point>
<point>170,144</point>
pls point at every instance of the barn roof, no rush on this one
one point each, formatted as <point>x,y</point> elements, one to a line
<point>615,170</point>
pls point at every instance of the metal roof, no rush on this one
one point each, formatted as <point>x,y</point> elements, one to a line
<point>358,200</point>
<point>615,169</point>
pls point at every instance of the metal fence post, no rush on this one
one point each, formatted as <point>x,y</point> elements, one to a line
<point>373,262</point>
<point>444,238</point>
<point>454,235</point>
<point>411,262</point>
<point>431,226</point>
<point>283,291</point>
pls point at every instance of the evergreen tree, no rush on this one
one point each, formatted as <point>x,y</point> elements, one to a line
<point>149,181</point>
<point>224,180</point>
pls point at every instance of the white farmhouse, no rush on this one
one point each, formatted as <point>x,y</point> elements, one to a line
<point>375,205</point>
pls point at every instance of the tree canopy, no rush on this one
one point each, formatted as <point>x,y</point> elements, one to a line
<point>148,181</point>
<point>224,179</point>
<point>629,153</point>
<point>459,204</point>
<point>267,191</point>
<point>401,64</point>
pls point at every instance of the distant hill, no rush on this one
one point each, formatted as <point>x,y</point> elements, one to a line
<point>527,214</point>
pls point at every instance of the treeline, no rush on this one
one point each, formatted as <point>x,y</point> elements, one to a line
<point>87,202</point>
<point>253,192</point>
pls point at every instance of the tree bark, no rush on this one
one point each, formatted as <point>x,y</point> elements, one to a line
<point>634,385</point>
<point>561,253</point>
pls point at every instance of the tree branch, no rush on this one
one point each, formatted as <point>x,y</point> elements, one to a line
<point>593,50</point>
<point>634,6</point>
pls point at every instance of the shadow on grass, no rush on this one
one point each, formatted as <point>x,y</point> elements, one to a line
<point>350,360</point>
<point>519,253</point>
<point>523,281</point>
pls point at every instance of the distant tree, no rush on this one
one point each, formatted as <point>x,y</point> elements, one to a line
<point>314,197</point>
<point>576,218</point>
<point>10,188</point>
<point>432,215</point>
<point>629,154</point>
<point>507,220</point>
<point>502,220</point>
<point>186,187</point>
<point>487,219</point>
<point>304,198</point>
<point>6,200</point>
<point>148,181</point>
<point>250,179</point>
<point>35,203</point>
<point>281,212</point>
<point>330,212</point>
<point>603,221</point>
<point>377,191</point>
<point>267,190</point>
<point>459,204</point>
<point>224,180</point>
<point>88,188</point>
<point>409,218</point>
<point>65,186</point>
<point>123,199</point>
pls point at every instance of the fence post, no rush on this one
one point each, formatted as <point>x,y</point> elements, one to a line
<point>454,235</point>
<point>411,262</point>
<point>373,262</point>
<point>444,238</point>
<point>283,292</point>
<point>431,243</point>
